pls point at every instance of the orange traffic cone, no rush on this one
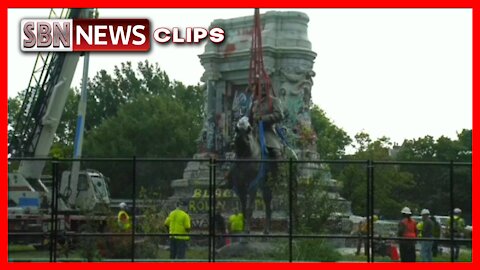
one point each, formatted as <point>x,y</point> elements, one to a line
<point>394,253</point>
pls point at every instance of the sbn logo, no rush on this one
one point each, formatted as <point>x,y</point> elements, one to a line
<point>85,35</point>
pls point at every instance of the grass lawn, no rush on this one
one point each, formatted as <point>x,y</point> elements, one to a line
<point>465,256</point>
<point>196,253</point>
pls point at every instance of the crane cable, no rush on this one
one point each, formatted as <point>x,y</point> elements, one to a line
<point>258,77</point>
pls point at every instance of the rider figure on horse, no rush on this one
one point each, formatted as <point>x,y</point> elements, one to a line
<point>268,109</point>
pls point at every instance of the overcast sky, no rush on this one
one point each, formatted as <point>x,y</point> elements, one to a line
<point>400,73</point>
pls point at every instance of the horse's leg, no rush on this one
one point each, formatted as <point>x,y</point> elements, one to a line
<point>271,178</point>
<point>242,194</point>
<point>250,206</point>
<point>267,199</point>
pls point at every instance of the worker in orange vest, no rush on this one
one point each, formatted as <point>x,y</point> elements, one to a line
<point>407,228</point>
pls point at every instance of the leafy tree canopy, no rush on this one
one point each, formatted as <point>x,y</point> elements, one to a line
<point>331,140</point>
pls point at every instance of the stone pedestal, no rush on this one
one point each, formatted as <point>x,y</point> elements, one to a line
<point>288,60</point>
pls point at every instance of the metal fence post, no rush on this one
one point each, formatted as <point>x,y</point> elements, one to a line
<point>134,183</point>
<point>452,203</point>
<point>367,243</point>
<point>55,230</point>
<point>290,211</point>
<point>372,209</point>
<point>214,205</point>
<point>52,213</point>
<point>210,183</point>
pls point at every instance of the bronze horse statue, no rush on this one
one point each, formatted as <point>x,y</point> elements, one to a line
<point>247,177</point>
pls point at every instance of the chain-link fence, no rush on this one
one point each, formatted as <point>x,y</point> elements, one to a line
<point>292,210</point>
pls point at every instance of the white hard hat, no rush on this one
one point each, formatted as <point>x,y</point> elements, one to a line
<point>406,210</point>
<point>425,212</point>
<point>457,211</point>
<point>122,205</point>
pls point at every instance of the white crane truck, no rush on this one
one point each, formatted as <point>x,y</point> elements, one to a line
<point>30,199</point>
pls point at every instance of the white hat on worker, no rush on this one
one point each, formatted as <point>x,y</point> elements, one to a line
<point>406,211</point>
<point>457,211</point>
<point>122,205</point>
<point>425,212</point>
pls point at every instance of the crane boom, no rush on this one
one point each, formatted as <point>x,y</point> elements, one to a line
<point>42,110</point>
<point>49,122</point>
<point>34,133</point>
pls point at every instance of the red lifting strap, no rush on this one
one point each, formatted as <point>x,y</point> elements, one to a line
<point>258,76</point>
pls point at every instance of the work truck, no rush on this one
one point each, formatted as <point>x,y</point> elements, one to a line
<point>71,194</point>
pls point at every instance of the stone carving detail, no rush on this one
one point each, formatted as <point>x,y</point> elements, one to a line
<point>296,93</point>
<point>297,82</point>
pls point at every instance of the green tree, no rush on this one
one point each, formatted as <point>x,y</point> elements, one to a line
<point>331,140</point>
<point>433,182</point>
<point>13,108</point>
<point>465,145</point>
<point>150,126</point>
<point>390,183</point>
<point>131,112</point>
<point>63,140</point>
<point>107,93</point>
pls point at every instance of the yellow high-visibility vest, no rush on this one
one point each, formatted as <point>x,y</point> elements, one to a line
<point>458,224</point>
<point>236,222</point>
<point>123,220</point>
<point>178,222</point>
<point>420,228</point>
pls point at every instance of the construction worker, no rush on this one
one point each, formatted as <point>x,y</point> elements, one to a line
<point>123,219</point>
<point>362,232</point>
<point>425,230</point>
<point>236,225</point>
<point>407,228</point>
<point>437,233</point>
<point>178,224</point>
<point>458,230</point>
<point>220,228</point>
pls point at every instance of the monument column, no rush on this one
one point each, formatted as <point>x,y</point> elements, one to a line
<point>211,77</point>
<point>288,59</point>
